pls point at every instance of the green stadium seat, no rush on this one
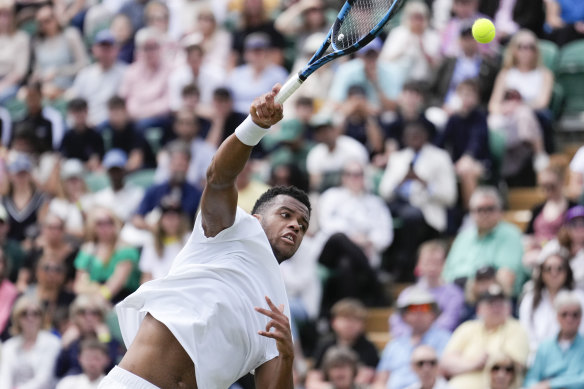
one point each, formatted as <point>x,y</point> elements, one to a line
<point>141,178</point>
<point>549,52</point>
<point>497,149</point>
<point>570,75</point>
<point>96,181</point>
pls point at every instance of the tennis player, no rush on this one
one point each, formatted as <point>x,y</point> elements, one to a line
<point>197,327</point>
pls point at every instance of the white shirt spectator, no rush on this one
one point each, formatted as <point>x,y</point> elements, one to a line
<point>246,86</point>
<point>123,202</point>
<point>340,210</point>
<point>321,159</point>
<point>97,87</point>
<point>209,80</point>
<point>79,381</point>
<point>158,266</point>
<point>201,156</point>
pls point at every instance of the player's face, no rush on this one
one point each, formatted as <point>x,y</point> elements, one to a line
<point>285,223</point>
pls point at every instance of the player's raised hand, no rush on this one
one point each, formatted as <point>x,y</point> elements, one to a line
<point>281,326</point>
<point>264,111</point>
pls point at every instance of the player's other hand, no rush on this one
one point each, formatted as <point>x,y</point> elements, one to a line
<point>281,326</point>
<point>264,111</point>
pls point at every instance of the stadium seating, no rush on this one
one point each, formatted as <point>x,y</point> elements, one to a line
<point>549,52</point>
<point>570,75</point>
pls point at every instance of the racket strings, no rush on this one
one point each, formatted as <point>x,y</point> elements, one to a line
<point>359,21</point>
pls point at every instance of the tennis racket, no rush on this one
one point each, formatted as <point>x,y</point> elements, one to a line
<point>358,22</point>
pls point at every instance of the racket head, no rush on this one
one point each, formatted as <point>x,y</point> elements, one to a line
<point>357,24</point>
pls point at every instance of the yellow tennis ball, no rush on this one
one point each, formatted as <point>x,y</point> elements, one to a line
<point>483,30</point>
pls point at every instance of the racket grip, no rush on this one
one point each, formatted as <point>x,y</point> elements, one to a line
<point>288,88</point>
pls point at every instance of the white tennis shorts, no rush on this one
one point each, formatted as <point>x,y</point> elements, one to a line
<point>119,378</point>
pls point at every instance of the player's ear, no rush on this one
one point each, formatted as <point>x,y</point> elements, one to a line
<point>257,216</point>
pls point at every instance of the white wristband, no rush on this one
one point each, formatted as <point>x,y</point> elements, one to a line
<point>250,133</point>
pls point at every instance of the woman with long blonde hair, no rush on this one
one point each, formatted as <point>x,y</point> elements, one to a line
<point>104,262</point>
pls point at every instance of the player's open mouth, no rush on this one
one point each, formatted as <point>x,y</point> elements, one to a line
<point>290,238</point>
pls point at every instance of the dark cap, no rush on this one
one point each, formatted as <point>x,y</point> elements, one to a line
<point>495,292</point>
<point>485,273</point>
<point>574,212</point>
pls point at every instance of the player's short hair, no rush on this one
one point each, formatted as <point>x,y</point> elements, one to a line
<point>292,191</point>
<point>349,307</point>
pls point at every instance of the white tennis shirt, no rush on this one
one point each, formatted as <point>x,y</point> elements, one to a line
<point>208,298</point>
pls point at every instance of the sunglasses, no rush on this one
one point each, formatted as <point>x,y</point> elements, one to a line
<point>52,269</point>
<point>104,222</point>
<point>484,210</point>
<point>507,369</point>
<point>526,46</point>
<point>420,308</point>
<point>84,311</point>
<point>31,313</point>
<point>573,314</point>
<point>429,362</point>
<point>353,174</point>
<point>556,269</point>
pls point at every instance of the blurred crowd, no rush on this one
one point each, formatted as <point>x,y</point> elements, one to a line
<point>111,111</point>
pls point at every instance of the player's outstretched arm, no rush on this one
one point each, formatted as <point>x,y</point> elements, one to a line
<point>219,201</point>
<point>277,373</point>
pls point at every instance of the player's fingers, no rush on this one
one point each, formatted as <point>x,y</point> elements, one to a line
<point>276,89</point>
<point>269,335</point>
<point>266,312</point>
<point>281,308</point>
<point>271,304</point>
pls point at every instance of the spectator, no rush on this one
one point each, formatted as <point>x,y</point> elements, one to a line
<point>216,41</point>
<point>425,364</point>
<point>99,82</point>
<point>349,209</point>
<point>29,357</point>
<point>50,243</point>
<point>361,120</point>
<point>419,184</point>
<point>325,161</point>
<point>472,343</point>
<point>419,311</point>
<point>206,77</point>
<point>255,19</point>
<point>121,198</point>
<point>169,237</point>
<point>490,242</point>
<point>38,124</point>
<point>82,142</point>
<point>175,186</point>
<point>13,253</point>
<point>564,21</point>
<point>121,29</point>
<point>466,138</point>
<point>571,237</point>
<point>464,12</point>
<point>508,20</point>
<point>449,297</point>
<point>24,202</point>
<point>256,74</point>
<point>224,119</point>
<point>558,362</point>
<point>413,47</point>
<point>468,63</point>
<point>104,263</point>
<point>410,108</point>
<point>536,312</point>
<point>94,360</point>
<point>548,217</point>
<point>366,70</point>
<point>292,146</point>
<point>348,326</point>
<point>15,56</point>
<point>119,132</point>
<point>340,368</point>
<point>66,204</point>
<point>134,11</point>
<point>88,323</point>
<point>249,189</point>
<point>50,290</point>
<point>474,288</point>
<point>145,83</point>
<point>503,373</point>
<point>59,54</point>
<point>190,97</point>
<point>302,19</point>
<point>8,294</point>
<point>187,127</point>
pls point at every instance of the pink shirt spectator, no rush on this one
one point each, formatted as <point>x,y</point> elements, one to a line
<point>146,90</point>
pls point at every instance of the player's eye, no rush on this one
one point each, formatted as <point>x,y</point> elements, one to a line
<point>285,215</point>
